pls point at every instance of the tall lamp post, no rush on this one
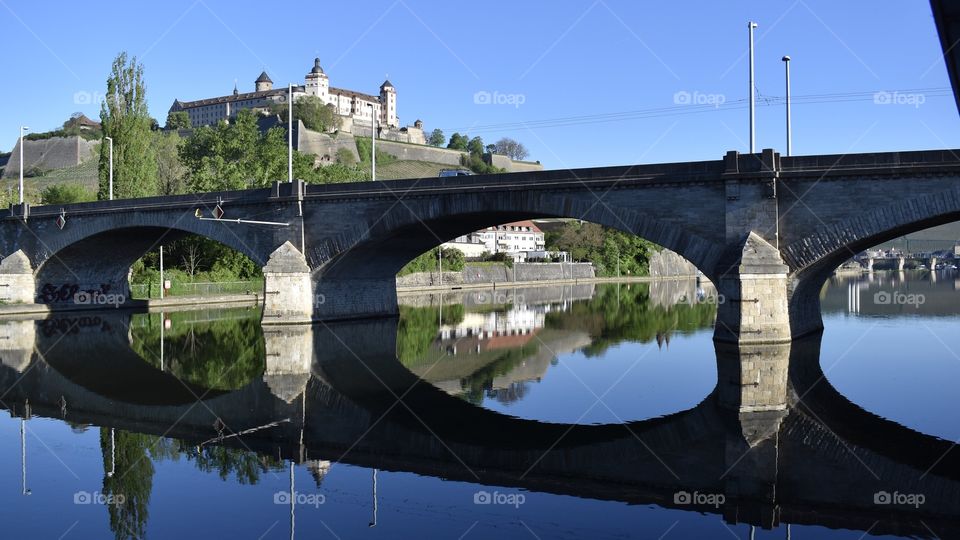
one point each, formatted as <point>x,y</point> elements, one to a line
<point>23,129</point>
<point>786,65</point>
<point>290,134</point>
<point>110,140</point>
<point>373,143</point>
<point>753,144</point>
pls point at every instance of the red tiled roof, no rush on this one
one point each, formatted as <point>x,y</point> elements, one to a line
<point>525,223</point>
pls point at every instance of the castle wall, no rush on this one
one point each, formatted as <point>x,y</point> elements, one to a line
<point>48,154</point>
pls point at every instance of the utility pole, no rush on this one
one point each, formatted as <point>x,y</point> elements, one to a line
<point>786,63</point>
<point>373,143</point>
<point>23,129</point>
<point>110,140</point>
<point>290,134</point>
<point>753,142</point>
<point>161,273</point>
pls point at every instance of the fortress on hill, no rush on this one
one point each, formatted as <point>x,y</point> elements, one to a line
<point>356,109</point>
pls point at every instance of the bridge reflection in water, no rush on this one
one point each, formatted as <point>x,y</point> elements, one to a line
<point>774,443</point>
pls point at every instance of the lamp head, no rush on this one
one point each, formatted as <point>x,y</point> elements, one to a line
<point>786,58</point>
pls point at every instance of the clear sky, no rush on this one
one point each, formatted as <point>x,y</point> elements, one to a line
<point>598,60</point>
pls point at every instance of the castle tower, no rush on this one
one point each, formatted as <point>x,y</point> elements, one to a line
<point>388,105</point>
<point>263,82</point>
<point>316,82</point>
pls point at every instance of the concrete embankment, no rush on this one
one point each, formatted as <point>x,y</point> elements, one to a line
<point>664,264</point>
<point>154,304</point>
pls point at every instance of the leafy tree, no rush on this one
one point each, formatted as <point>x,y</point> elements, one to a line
<point>436,138</point>
<point>363,148</point>
<point>453,261</point>
<point>171,172</point>
<point>511,148</point>
<point>234,155</point>
<point>475,163</point>
<point>131,483</point>
<point>602,246</point>
<point>124,118</point>
<point>312,111</point>
<point>178,120</point>
<point>475,146</point>
<point>458,142</point>
<point>345,157</point>
<point>66,193</point>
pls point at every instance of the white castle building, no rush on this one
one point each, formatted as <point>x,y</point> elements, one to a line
<point>357,106</point>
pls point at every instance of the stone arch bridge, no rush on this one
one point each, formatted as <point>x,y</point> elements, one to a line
<point>768,230</point>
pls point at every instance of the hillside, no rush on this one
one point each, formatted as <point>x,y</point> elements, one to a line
<point>936,238</point>
<point>85,174</point>
<point>396,170</point>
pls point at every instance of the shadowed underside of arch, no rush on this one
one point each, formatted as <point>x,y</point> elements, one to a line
<point>354,273</point>
<point>813,258</point>
<point>100,262</point>
<point>407,230</point>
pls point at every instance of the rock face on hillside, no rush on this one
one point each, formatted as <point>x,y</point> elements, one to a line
<point>49,154</point>
<point>667,263</point>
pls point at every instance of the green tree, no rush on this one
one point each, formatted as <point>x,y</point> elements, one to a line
<point>131,482</point>
<point>475,146</point>
<point>178,120</point>
<point>171,172</point>
<point>66,193</point>
<point>608,249</point>
<point>315,114</point>
<point>436,138</point>
<point>124,117</point>
<point>234,155</point>
<point>458,142</point>
<point>312,111</point>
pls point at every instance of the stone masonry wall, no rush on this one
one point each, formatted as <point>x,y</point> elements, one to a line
<point>53,153</point>
<point>476,274</point>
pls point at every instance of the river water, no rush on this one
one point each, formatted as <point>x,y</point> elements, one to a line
<point>582,411</point>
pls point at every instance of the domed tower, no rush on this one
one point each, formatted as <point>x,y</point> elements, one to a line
<point>316,82</point>
<point>388,104</point>
<point>263,82</point>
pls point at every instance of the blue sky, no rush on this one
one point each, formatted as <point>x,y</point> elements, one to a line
<point>539,60</point>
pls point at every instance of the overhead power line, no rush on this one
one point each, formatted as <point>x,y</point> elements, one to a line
<point>878,96</point>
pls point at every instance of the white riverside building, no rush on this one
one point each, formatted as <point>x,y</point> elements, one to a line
<point>520,239</point>
<point>346,103</point>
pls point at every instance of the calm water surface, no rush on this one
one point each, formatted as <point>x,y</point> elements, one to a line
<point>557,412</point>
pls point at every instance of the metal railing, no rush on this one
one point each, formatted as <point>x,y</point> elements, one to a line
<point>187,288</point>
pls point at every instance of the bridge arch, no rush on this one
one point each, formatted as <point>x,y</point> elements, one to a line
<point>97,256</point>
<point>412,227</point>
<point>813,258</point>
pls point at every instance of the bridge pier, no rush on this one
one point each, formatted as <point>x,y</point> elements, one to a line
<point>901,263</point>
<point>289,359</point>
<point>288,293</point>
<point>752,383</point>
<point>753,290</point>
<point>870,264</point>
<point>933,263</point>
<point>17,283</point>
<point>17,343</point>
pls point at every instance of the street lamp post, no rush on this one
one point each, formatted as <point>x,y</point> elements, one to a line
<point>373,143</point>
<point>23,129</point>
<point>290,134</point>
<point>110,140</point>
<point>786,65</point>
<point>753,145</point>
